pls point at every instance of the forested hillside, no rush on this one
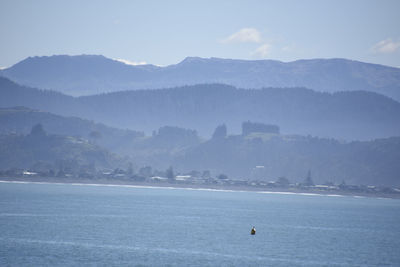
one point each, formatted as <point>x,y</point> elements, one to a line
<point>47,153</point>
<point>20,120</point>
<point>355,115</point>
<point>374,162</point>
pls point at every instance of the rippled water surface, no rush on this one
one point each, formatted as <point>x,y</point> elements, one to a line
<point>54,224</point>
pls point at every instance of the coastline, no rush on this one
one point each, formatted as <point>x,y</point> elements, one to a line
<point>200,187</point>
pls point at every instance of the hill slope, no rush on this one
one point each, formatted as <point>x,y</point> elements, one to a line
<point>347,115</point>
<point>39,151</point>
<point>374,162</point>
<point>86,75</point>
<point>369,163</point>
<point>20,120</point>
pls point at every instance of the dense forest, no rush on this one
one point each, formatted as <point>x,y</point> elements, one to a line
<point>40,151</point>
<point>20,120</point>
<point>260,152</point>
<point>357,115</point>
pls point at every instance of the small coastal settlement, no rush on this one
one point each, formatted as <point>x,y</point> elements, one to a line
<point>195,179</point>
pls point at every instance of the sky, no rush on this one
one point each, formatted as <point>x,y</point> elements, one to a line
<point>166,32</point>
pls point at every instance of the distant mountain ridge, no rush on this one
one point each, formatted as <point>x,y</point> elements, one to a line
<point>90,74</point>
<point>355,115</point>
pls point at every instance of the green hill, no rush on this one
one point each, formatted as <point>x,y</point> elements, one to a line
<point>42,152</point>
<point>20,120</point>
<point>375,162</point>
<point>355,115</point>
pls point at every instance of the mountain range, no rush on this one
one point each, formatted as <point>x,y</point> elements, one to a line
<point>338,118</point>
<point>91,74</point>
<point>355,115</point>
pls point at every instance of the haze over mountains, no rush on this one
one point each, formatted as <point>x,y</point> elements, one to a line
<point>43,152</point>
<point>90,74</point>
<point>357,115</point>
<point>373,162</point>
<point>20,120</point>
<point>338,118</point>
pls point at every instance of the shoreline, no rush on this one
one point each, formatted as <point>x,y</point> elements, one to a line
<point>204,187</point>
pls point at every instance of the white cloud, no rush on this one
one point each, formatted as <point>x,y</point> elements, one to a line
<point>133,63</point>
<point>262,51</point>
<point>245,35</point>
<point>386,46</point>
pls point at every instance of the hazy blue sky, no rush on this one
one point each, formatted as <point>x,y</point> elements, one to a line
<point>165,32</point>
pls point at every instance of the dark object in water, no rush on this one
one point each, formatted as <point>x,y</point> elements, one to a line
<point>253,231</point>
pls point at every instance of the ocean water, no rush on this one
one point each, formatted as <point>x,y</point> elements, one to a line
<point>89,225</point>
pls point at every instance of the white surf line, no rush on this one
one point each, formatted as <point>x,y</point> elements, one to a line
<point>84,184</point>
<point>126,186</point>
<point>168,187</point>
<point>184,188</point>
<point>160,187</point>
<point>300,194</point>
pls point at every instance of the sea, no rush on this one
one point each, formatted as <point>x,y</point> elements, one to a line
<point>45,224</point>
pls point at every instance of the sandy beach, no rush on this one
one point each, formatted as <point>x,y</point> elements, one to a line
<point>187,186</point>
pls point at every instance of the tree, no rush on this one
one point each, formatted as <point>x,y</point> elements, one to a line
<point>223,176</point>
<point>195,173</point>
<point>282,182</point>
<point>37,130</point>
<point>220,132</point>
<point>249,127</point>
<point>308,181</point>
<point>130,171</point>
<point>170,173</point>
<point>146,171</point>
<point>206,174</point>
<point>95,135</point>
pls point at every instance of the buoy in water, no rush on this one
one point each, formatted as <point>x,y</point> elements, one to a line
<point>253,231</point>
